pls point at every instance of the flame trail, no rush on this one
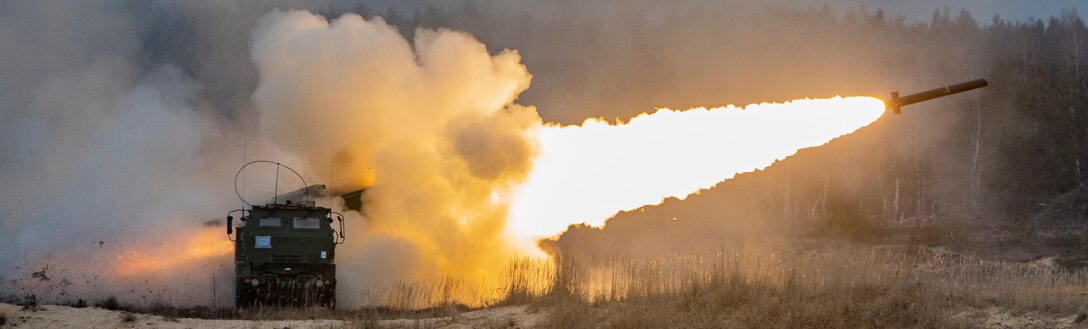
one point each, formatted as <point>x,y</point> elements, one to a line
<point>588,173</point>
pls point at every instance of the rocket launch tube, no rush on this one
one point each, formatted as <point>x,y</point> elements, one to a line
<point>896,103</point>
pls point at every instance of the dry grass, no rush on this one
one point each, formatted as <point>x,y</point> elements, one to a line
<point>898,287</point>
<point>522,280</point>
<point>815,286</point>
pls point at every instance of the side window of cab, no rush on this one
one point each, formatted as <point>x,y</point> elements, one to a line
<point>307,223</point>
<point>271,222</point>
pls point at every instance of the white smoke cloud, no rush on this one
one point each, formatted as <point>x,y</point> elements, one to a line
<point>108,160</point>
<point>125,174</point>
<point>432,124</point>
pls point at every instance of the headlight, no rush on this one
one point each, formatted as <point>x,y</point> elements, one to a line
<point>255,282</point>
<point>327,282</point>
<point>320,283</point>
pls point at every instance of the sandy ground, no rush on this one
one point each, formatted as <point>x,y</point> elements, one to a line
<point>998,318</point>
<point>53,316</point>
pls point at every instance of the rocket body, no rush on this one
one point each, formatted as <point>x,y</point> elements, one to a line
<point>895,103</point>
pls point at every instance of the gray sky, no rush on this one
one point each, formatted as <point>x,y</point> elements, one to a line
<point>914,10</point>
<point>982,10</point>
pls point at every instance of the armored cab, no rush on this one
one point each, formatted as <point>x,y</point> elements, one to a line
<point>284,252</point>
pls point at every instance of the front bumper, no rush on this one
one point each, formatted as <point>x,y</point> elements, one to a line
<point>285,291</point>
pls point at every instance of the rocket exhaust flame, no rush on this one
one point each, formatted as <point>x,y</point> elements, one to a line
<point>588,173</point>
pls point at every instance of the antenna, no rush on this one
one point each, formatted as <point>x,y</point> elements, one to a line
<point>278,165</point>
<point>276,190</point>
<point>332,161</point>
<point>245,158</point>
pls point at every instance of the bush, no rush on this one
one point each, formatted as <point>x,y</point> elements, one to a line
<point>847,221</point>
<point>109,304</point>
<point>1023,227</point>
<point>1084,236</point>
<point>942,232</point>
<point>30,303</point>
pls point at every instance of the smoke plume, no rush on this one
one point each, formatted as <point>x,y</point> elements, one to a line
<point>430,125</point>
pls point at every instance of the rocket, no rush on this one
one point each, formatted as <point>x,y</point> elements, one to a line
<point>896,102</point>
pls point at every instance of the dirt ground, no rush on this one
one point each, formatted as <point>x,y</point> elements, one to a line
<point>998,318</point>
<point>54,316</point>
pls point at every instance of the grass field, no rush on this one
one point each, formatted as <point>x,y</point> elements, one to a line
<point>822,285</point>
<point>842,287</point>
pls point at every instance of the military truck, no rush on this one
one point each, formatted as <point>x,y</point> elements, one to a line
<point>284,250</point>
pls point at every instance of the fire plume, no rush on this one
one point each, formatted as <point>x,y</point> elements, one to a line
<point>588,173</point>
